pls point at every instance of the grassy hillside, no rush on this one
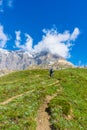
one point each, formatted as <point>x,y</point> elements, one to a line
<point>68,109</point>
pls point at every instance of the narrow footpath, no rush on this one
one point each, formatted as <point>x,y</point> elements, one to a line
<point>14,97</point>
<point>43,117</point>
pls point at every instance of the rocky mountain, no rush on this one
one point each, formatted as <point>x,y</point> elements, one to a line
<point>19,60</point>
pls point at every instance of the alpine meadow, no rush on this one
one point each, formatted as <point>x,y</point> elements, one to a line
<point>43,64</point>
<point>22,93</point>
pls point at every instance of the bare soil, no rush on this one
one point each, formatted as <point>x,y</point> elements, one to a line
<point>43,116</point>
<point>11,99</point>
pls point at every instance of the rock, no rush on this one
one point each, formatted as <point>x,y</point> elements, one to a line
<point>19,60</point>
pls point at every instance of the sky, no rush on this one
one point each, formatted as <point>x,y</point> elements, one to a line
<point>58,26</point>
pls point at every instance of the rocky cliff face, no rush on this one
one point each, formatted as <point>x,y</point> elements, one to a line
<point>19,60</point>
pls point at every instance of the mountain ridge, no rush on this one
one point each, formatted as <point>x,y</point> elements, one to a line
<point>20,60</point>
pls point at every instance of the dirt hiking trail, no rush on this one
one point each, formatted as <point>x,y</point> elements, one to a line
<point>15,97</point>
<point>43,117</point>
<point>20,95</point>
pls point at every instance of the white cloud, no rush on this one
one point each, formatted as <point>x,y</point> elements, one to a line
<point>3,37</point>
<point>52,41</point>
<point>29,42</point>
<point>57,43</point>
<point>27,46</point>
<point>75,34</point>
<point>18,39</point>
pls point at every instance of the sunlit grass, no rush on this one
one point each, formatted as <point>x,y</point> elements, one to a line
<point>21,112</point>
<point>68,109</point>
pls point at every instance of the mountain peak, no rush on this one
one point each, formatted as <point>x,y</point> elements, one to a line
<point>19,60</point>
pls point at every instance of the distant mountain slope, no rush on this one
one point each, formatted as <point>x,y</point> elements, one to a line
<point>19,60</point>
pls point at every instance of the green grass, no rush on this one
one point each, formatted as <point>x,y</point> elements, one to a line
<point>21,113</point>
<point>68,109</point>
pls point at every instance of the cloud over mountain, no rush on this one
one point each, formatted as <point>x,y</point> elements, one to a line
<point>52,41</point>
<point>27,46</point>
<point>57,43</point>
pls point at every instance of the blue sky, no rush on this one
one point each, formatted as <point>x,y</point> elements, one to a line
<point>59,26</point>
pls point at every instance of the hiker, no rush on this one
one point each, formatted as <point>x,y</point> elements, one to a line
<point>51,72</point>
